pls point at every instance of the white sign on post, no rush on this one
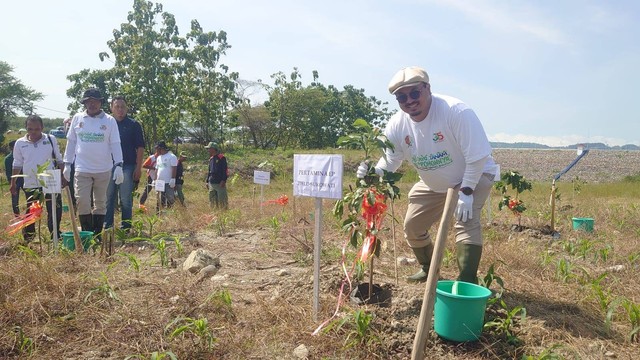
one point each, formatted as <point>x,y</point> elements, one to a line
<point>261,177</point>
<point>52,181</point>
<point>160,185</point>
<point>317,176</point>
<point>52,184</point>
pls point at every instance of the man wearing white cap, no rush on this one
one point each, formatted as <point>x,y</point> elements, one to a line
<point>444,140</point>
<point>93,143</point>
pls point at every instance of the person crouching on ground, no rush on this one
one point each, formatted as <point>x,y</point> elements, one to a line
<point>444,140</point>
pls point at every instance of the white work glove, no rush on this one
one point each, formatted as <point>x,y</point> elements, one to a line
<point>67,171</point>
<point>153,184</point>
<point>172,183</point>
<point>118,175</point>
<point>464,210</point>
<point>363,170</point>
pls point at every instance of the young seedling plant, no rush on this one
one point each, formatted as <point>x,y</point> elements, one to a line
<point>504,326</point>
<point>365,206</point>
<point>357,326</point>
<point>518,183</point>
<point>198,328</point>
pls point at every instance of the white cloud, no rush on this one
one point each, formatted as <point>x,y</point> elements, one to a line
<point>506,18</point>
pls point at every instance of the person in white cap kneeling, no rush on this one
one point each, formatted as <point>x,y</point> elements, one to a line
<point>444,140</point>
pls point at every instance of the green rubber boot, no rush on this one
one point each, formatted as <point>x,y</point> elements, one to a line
<point>423,255</point>
<point>468,261</point>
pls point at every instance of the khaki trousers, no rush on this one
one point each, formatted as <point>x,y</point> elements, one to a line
<point>87,184</point>
<point>426,207</point>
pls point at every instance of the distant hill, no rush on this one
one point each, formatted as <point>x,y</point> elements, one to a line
<point>528,145</point>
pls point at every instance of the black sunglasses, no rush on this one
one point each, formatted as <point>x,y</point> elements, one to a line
<point>414,94</point>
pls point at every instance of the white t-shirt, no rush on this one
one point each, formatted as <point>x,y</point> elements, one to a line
<point>441,145</point>
<point>28,155</point>
<point>164,166</point>
<point>93,143</point>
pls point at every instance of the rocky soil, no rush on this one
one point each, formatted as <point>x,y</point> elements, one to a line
<point>542,165</point>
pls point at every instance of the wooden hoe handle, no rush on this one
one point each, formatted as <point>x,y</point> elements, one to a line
<point>424,323</point>
<point>74,225</point>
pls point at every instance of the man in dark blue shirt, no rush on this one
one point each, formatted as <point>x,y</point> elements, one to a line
<point>132,142</point>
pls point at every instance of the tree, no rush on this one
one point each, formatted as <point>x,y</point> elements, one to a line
<point>317,115</point>
<point>14,97</point>
<point>172,82</point>
<point>209,87</point>
<point>85,79</point>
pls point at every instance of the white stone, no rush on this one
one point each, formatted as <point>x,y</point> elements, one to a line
<point>198,259</point>
<point>283,272</point>
<point>301,352</point>
<point>615,268</point>
<point>208,271</point>
<point>217,278</point>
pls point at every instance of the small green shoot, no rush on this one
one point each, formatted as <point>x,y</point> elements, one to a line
<point>198,328</point>
<point>104,289</point>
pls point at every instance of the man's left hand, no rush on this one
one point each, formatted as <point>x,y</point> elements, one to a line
<point>464,210</point>
<point>118,175</point>
<point>172,183</point>
<point>136,174</point>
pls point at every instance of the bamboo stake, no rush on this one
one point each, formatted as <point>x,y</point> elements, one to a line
<point>371,277</point>
<point>393,238</point>
<point>424,323</point>
<point>74,224</point>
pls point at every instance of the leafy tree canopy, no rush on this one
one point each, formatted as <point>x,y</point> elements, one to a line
<point>170,81</point>
<point>14,97</point>
<point>177,85</point>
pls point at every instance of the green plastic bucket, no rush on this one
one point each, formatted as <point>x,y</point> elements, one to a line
<point>69,243</point>
<point>459,317</point>
<point>585,224</point>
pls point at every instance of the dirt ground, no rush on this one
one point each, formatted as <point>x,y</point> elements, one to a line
<point>270,282</point>
<point>271,285</point>
<point>63,303</point>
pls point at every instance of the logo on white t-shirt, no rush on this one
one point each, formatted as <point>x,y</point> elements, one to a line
<point>433,161</point>
<point>438,137</point>
<point>408,140</point>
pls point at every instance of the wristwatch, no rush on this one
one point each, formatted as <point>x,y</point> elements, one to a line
<point>466,190</point>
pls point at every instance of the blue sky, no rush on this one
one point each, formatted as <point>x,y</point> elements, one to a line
<point>553,72</point>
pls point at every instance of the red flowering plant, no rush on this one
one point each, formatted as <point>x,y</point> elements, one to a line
<point>518,183</point>
<point>365,205</point>
<point>34,212</point>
